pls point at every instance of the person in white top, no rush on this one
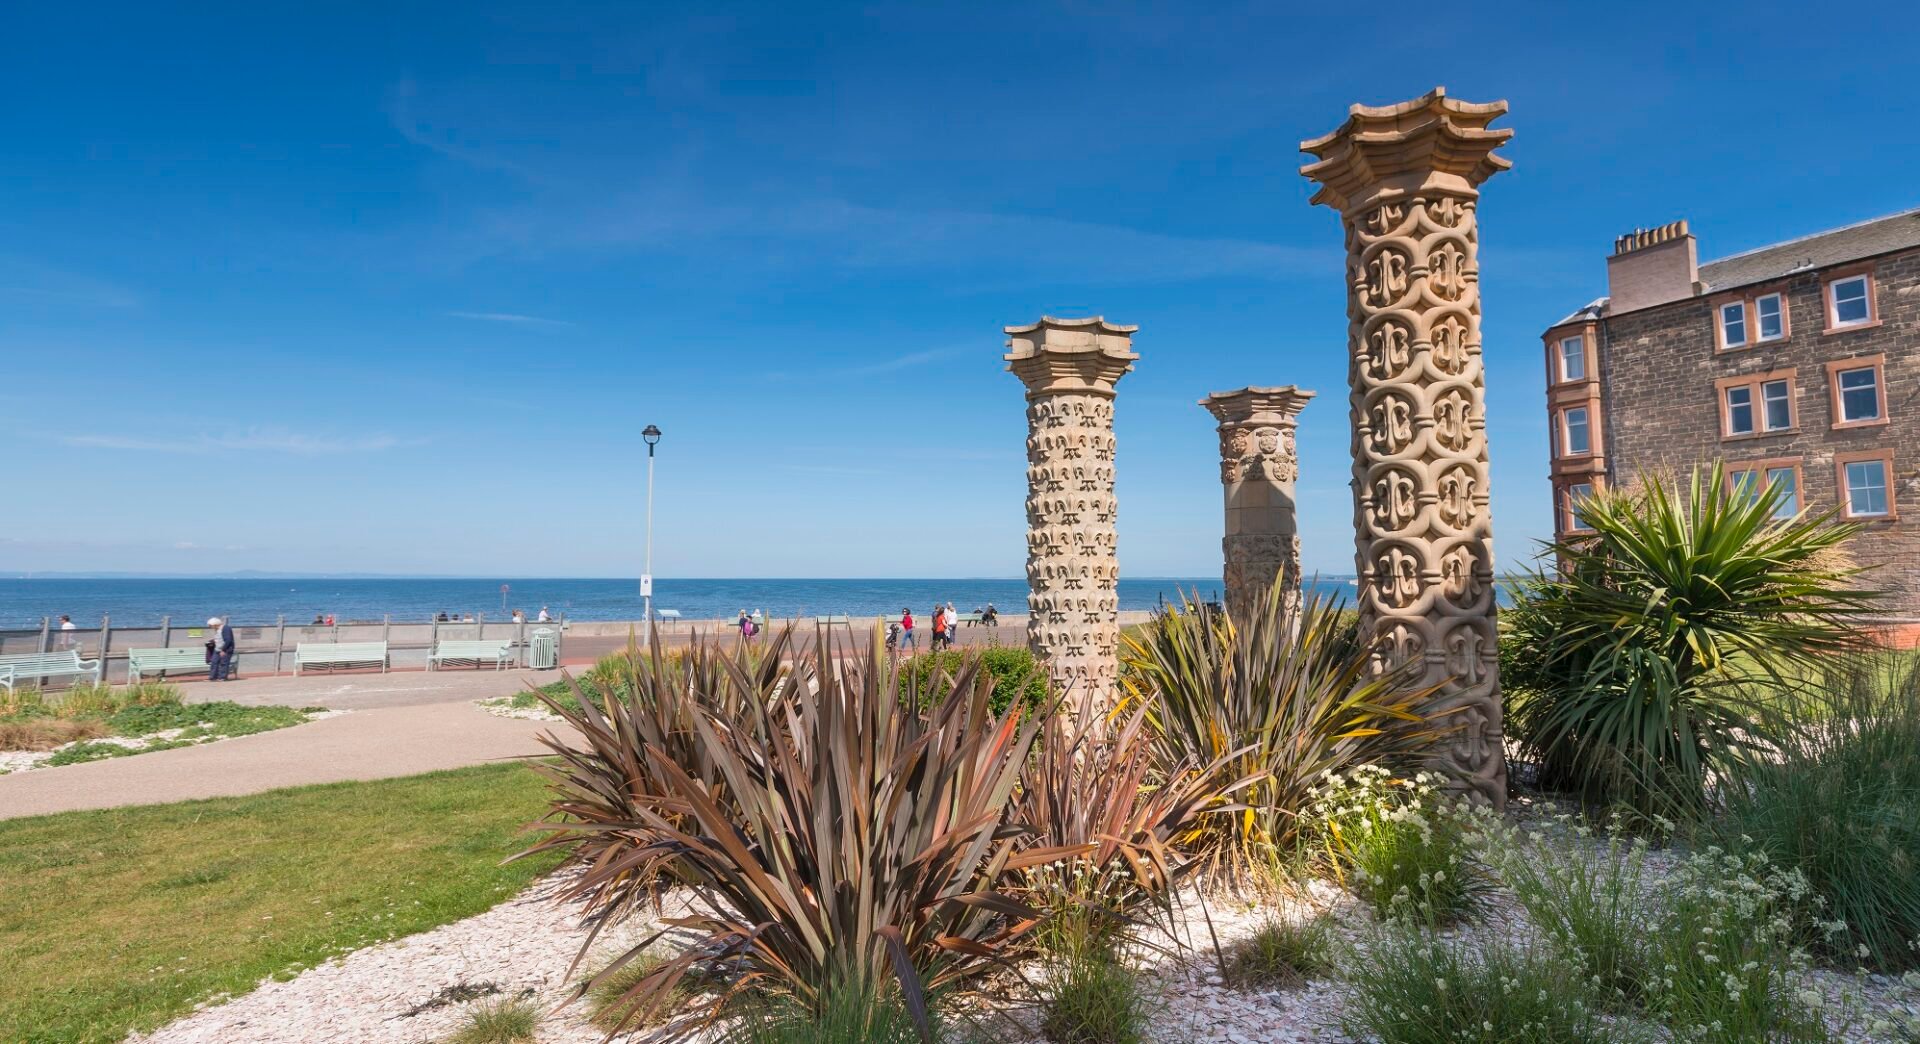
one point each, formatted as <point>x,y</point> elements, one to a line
<point>66,625</point>
<point>544,616</point>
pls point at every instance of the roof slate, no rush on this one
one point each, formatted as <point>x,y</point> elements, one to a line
<point>1820,250</point>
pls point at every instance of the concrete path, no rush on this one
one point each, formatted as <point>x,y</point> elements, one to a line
<point>366,744</point>
<point>366,689</point>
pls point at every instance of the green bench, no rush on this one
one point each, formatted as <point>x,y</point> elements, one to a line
<point>968,618</point>
<point>64,664</point>
<point>340,654</point>
<point>141,662</point>
<point>499,650</point>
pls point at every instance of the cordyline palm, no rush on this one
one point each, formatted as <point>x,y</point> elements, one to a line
<point>1645,665</point>
<point>642,700</point>
<point>1093,787</point>
<point>827,838</point>
<point>1276,702</point>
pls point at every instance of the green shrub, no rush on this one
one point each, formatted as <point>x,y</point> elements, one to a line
<point>1282,952</point>
<point>499,1022</point>
<point>222,718</point>
<point>1091,998</point>
<point>1411,985</point>
<point>1640,669</point>
<point>848,1013</point>
<point>1016,675</point>
<point>1276,702</point>
<point>1403,845</point>
<point>1593,907</point>
<point>1840,804</point>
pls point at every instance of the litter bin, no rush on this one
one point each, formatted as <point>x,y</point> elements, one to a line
<point>543,649</point>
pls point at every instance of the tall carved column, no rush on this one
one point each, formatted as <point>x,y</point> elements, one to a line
<point>1406,179</point>
<point>1258,467</point>
<point>1070,367</point>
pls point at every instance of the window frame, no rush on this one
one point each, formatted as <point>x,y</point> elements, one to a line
<point>1565,441</point>
<point>1720,326</point>
<point>1727,406</point>
<point>1766,468</point>
<point>1829,299</point>
<point>1755,386</point>
<point>1761,470</point>
<point>1569,522</point>
<point>1885,458</point>
<point>1836,402</point>
<point>1561,376</point>
<point>1759,330</point>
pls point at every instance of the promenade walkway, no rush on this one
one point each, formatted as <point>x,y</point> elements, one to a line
<point>398,726</point>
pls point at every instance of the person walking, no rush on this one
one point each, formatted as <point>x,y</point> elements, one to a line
<point>953,624</point>
<point>219,650</point>
<point>66,631</point>
<point>906,628</point>
<point>939,627</point>
<point>544,617</point>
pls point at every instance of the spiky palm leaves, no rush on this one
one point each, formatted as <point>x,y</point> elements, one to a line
<point>1279,700</point>
<point>1645,665</point>
<point>826,836</point>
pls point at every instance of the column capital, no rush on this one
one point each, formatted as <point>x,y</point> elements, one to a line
<point>1253,405</point>
<point>1087,356</point>
<point>1430,145</point>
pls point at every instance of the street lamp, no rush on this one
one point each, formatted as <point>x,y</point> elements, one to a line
<point>652,435</point>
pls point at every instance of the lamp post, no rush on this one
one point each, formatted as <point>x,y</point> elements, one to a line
<point>652,435</point>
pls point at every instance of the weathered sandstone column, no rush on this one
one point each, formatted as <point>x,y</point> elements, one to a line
<point>1405,179</point>
<point>1258,467</point>
<point>1070,367</point>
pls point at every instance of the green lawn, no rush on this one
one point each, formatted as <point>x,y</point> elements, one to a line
<point>124,919</point>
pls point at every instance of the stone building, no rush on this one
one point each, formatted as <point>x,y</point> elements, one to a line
<point>1797,364</point>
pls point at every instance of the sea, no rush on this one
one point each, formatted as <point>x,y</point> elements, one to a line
<point>142,602</point>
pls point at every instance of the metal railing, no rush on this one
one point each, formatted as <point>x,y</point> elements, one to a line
<point>268,648</point>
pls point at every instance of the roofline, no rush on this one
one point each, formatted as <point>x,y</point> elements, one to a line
<point>1730,287</point>
<point>1814,235</point>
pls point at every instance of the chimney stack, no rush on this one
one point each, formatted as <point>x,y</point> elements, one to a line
<point>1652,266</point>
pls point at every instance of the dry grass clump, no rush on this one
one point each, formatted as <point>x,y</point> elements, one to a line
<point>42,734</point>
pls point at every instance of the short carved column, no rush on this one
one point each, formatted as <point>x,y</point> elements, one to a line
<point>1258,467</point>
<point>1070,367</point>
<point>1406,179</point>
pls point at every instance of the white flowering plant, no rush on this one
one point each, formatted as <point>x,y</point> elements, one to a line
<point>1406,846</point>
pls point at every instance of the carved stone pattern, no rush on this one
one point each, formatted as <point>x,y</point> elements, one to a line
<point>1262,453</point>
<point>1072,571</point>
<point>1423,538</point>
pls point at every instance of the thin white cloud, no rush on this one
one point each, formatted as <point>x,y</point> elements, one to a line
<point>256,441</point>
<point>509,317</point>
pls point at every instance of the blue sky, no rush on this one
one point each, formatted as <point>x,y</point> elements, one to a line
<point>394,288</point>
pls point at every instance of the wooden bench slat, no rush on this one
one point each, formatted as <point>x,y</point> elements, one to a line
<point>499,650</point>
<point>66,663</point>
<point>339,654</point>
<point>159,661</point>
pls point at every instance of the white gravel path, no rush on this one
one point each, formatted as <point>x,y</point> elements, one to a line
<point>524,944</point>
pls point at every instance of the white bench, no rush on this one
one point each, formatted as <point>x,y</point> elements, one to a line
<point>64,664</point>
<point>499,650</point>
<point>339,654</point>
<point>160,661</point>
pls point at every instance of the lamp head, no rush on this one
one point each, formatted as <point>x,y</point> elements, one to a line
<point>651,434</point>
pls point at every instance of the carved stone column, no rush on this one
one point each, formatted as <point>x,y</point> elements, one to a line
<point>1406,179</point>
<point>1258,467</point>
<point>1070,367</point>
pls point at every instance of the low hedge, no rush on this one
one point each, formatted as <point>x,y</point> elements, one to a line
<point>1015,675</point>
